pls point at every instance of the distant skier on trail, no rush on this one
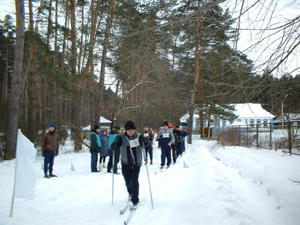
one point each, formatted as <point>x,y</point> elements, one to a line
<point>165,138</point>
<point>130,144</point>
<point>149,149</point>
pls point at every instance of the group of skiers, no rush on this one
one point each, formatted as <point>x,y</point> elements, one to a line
<point>127,146</point>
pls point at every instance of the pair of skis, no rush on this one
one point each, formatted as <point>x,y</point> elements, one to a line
<point>161,170</point>
<point>132,211</point>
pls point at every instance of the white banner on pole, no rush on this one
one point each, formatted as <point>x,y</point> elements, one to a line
<point>25,177</point>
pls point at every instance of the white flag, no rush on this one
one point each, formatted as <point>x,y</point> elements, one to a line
<point>25,180</point>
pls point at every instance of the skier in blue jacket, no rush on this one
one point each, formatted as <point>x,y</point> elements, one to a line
<point>165,137</point>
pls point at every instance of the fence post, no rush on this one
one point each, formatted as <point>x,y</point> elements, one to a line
<point>270,136</point>
<point>289,137</point>
<point>256,135</point>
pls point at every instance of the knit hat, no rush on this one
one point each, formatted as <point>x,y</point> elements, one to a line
<point>117,127</point>
<point>129,125</point>
<point>96,127</point>
<point>165,123</point>
<point>146,126</point>
<point>52,125</point>
<point>170,125</point>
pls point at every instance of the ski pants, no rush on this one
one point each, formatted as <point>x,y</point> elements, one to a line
<point>49,161</point>
<point>150,152</point>
<point>131,177</point>
<point>165,152</point>
<point>94,160</point>
<point>110,162</point>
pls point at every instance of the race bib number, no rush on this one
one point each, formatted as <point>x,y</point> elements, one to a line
<point>166,135</point>
<point>146,135</point>
<point>134,143</point>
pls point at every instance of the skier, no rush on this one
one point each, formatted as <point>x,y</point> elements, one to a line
<point>130,144</point>
<point>149,150</point>
<point>178,141</point>
<point>184,134</point>
<point>165,138</point>
<point>113,134</point>
<point>50,147</point>
<point>95,147</point>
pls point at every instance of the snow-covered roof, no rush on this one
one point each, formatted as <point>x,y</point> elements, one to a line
<point>251,110</point>
<point>102,121</point>
<point>243,110</point>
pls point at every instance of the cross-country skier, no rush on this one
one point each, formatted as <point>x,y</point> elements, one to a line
<point>130,144</point>
<point>165,138</point>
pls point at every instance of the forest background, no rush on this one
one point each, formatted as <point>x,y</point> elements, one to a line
<point>70,62</point>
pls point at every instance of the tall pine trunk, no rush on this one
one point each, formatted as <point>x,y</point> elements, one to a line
<point>12,129</point>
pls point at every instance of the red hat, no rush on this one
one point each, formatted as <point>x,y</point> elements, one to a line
<point>170,125</point>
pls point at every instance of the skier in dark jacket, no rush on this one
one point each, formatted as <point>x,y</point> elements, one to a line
<point>178,141</point>
<point>149,150</point>
<point>130,144</point>
<point>95,147</point>
<point>113,155</point>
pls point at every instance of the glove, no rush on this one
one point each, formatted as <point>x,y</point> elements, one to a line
<point>43,153</point>
<point>56,152</point>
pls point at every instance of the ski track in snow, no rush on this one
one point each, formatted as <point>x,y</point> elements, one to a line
<point>199,189</point>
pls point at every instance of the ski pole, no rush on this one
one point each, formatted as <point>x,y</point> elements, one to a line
<point>148,178</point>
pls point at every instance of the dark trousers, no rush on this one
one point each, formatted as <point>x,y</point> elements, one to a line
<point>131,177</point>
<point>165,152</point>
<point>110,162</point>
<point>174,153</point>
<point>94,159</point>
<point>150,152</point>
<point>49,161</point>
<point>179,148</point>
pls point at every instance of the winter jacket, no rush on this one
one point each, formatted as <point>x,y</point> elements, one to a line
<point>50,141</point>
<point>132,156</point>
<point>178,135</point>
<point>95,142</point>
<point>104,144</point>
<point>165,137</point>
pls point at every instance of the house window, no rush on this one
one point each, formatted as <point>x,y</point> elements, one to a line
<point>258,122</point>
<point>265,123</point>
<point>252,123</point>
<point>239,120</point>
<point>224,123</point>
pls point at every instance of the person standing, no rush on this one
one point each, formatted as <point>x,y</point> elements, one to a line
<point>165,138</point>
<point>113,134</point>
<point>130,144</point>
<point>95,147</point>
<point>104,146</point>
<point>148,148</point>
<point>50,148</point>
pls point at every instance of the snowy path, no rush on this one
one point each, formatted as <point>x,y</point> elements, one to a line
<point>206,192</point>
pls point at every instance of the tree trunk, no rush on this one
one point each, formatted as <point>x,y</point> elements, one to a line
<point>196,80</point>
<point>103,60</point>
<point>12,130</point>
<point>76,108</point>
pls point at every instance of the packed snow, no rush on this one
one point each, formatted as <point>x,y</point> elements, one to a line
<point>208,185</point>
